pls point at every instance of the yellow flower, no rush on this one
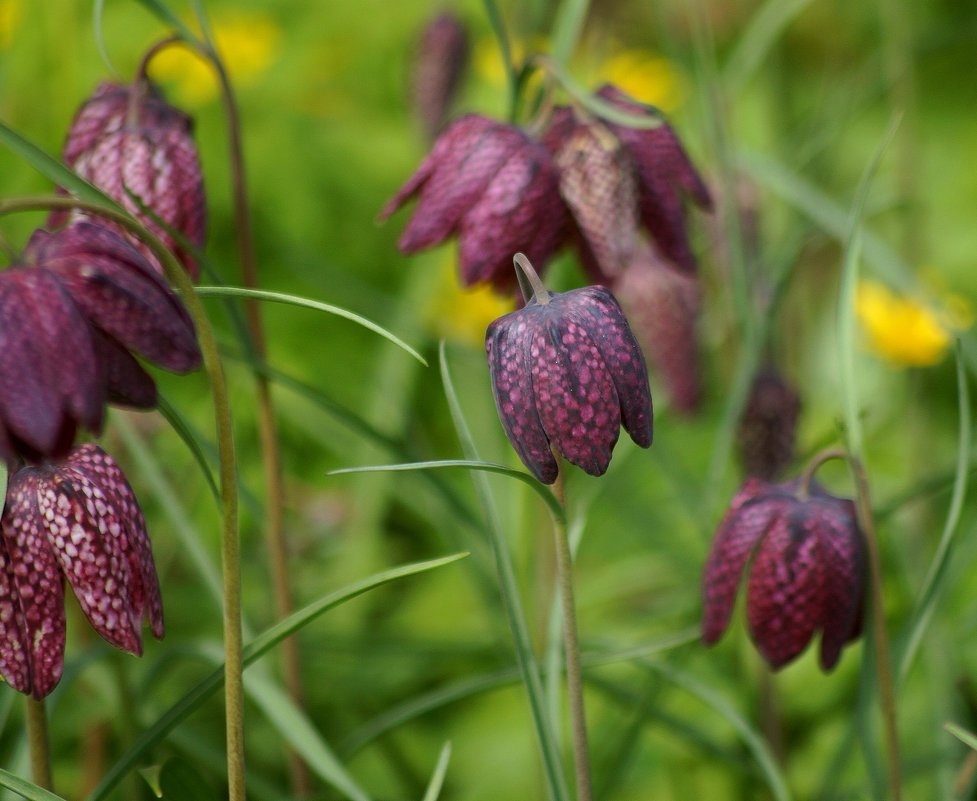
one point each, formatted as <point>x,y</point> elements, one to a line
<point>905,331</point>
<point>460,314</point>
<point>10,13</point>
<point>647,77</point>
<point>488,61</point>
<point>247,43</point>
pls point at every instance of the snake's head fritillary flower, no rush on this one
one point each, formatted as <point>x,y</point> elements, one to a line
<point>807,573</point>
<point>665,176</point>
<point>494,188</point>
<point>128,141</point>
<point>768,427</point>
<point>79,520</point>
<point>663,307</point>
<point>442,56</point>
<point>567,373</point>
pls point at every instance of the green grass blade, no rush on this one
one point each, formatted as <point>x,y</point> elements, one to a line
<point>964,736</point>
<point>433,791</point>
<point>755,42</point>
<point>464,464</point>
<point>753,740</point>
<point>567,27</point>
<point>253,651</point>
<point>186,433</point>
<point>297,730</point>
<point>525,655</point>
<point>932,584</point>
<point>98,15</point>
<point>26,789</point>
<point>308,303</point>
<point>52,169</point>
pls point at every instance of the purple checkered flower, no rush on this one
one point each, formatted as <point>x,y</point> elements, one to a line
<point>70,313</point>
<point>768,428</point>
<point>494,188</point>
<point>808,570</point>
<point>567,373</point>
<point>442,55</point>
<point>79,520</point>
<point>127,140</point>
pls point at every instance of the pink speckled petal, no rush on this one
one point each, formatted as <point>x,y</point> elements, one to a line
<point>740,531</point>
<point>507,344</point>
<point>598,312</point>
<point>15,666</point>
<point>87,534</point>
<point>785,596</point>
<point>37,582</point>
<point>575,396</point>
<point>89,463</point>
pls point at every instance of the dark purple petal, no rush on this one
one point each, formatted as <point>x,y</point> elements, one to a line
<point>519,210</point>
<point>104,112</point>
<point>767,429</point>
<point>786,587</point>
<point>598,313</point>
<point>575,396</point>
<point>30,406</point>
<point>126,383</point>
<point>131,304</point>
<point>742,528</point>
<point>843,551</point>
<point>15,662</point>
<point>37,582</point>
<point>507,344</point>
<point>442,55</point>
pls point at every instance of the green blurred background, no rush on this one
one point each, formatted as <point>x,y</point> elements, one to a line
<point>796,112</point>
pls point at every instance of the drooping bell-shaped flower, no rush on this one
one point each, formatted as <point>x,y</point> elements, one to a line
<point>494,188</point>
<point>128,141</point>
<point>567,373</point>
<point>442,55</point>
<point>807,573</point>
<point>79,520</point>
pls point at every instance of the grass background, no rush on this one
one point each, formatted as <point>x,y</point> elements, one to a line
<point>797,110</point>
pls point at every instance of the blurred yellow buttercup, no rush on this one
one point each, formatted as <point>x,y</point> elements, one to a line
<point>248,44</point>
<point>10,13</point>
<point>462,315</point>
<point>647,77</point>
<point>906,331</point>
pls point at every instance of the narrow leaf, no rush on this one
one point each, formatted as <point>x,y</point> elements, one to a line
<point>464,464</point>
<point>964,736</point>
<point>180,781</point>
<point>26,789</point>
<point>437,778</point>
<point>168,17</point>
<point>308,303</point>
<point>756,40</point>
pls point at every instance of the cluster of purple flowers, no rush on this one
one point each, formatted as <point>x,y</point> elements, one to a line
<point>80,304</point>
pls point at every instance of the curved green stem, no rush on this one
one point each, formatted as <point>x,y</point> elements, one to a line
<point>230,548</point>
<point>37,743</point>
<point>571,645</point>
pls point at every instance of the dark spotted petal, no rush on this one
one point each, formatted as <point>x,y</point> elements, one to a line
<point>741,530</point>
<point>126,383</point>
<point>598,312</point>
<point>133,305</point>
<point>90,464</point>
<point>507,343</point>
<point>575,396</point>
<point>519,210</point>
<point>35,583</point>
<point>474,154</point>
<point>785,596</point>
<point>30,406</point>
<point>15,662</point>
<point>767,430</point>
<point>843,551</point>
<point>440,62</point>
